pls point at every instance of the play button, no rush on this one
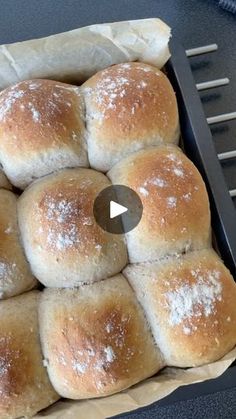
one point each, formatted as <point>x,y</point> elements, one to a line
<point>117,209</point>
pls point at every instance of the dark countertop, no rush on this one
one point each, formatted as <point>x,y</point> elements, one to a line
<point>194,23</point>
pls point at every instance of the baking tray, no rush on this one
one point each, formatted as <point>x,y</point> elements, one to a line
<point>225,382</point>
<point>197,142</point>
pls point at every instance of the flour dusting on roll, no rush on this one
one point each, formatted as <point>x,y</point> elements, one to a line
<point>118,307</point>
<point>176,214</point>
<point>63,243</point>
<point>190,304</point>
<point>96,339</point>
<point>128,107</point>
<point>41,130</point>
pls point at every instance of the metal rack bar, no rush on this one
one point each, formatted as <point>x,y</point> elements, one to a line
<point>201,50</point>
<point>232,192</point>
<point>227,155</point>
<point>221,118</point>
<point>212,83</point>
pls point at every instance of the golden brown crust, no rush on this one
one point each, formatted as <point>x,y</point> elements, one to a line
<point>39,119</point>
<point>129,106</point>
<point>62,240</point>
<point>37,113</point>
<point>176,214</point>
<point>190,304</point>
<point>63,206</point>
<point>96,339</point>
<point>24,385</point>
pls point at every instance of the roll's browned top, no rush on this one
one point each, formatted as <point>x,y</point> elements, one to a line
<point>35,114</point>
<point>62,240</point>
<point>176,214</point>
<point>96,339</point>
<point>190,303</point>
<point>41,129</point>
<point>129,106</point>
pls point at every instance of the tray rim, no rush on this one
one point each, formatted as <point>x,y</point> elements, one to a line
<point>199,147</point>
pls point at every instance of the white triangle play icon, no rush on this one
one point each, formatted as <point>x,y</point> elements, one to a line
<point>116,209</point>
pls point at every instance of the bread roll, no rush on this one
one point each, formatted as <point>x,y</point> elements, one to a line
<point>24,385</point>
<point>95,339</point>
<point>41,130</point>
<point>128,107</point>
<point>15,274</point>
<point>176,215</point>
<point>62,241</point>
<point>190,304</point>
<point>4,182</point>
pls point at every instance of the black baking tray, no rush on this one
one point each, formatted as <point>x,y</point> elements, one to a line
<point>198,144</point>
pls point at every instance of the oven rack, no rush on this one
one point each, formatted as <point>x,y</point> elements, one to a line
<point>199,146</point>
<point>209,85</point>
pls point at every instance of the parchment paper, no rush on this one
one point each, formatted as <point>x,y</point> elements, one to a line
<point>142,394</point>
<point>75,56</point>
